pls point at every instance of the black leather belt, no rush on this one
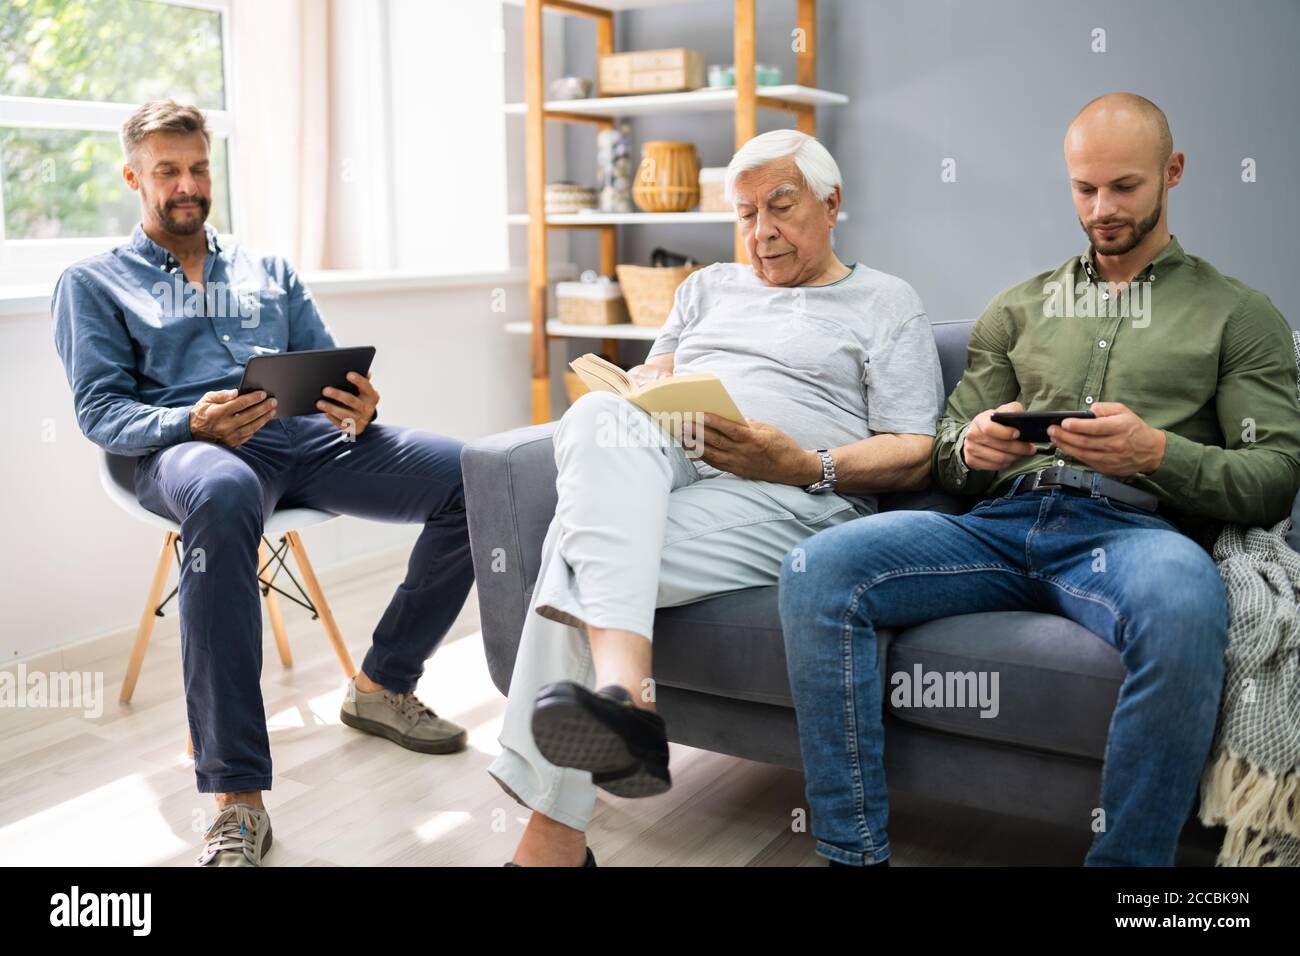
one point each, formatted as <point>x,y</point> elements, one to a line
<point>1078,481</point>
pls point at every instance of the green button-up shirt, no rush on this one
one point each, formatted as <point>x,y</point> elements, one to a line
<point>1200,355</point>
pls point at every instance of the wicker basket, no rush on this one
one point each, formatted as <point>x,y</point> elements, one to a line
<point>590,303</point>
<point>648,291</point>
<point>561,199</point>
<point>668,179</point>
<point>574,386</point>
<point>590,311</point>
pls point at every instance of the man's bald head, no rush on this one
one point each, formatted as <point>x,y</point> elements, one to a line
<point>1121,160</point>
<point>1126,115</point>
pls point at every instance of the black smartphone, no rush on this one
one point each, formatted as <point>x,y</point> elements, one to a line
<point>1033,425</point>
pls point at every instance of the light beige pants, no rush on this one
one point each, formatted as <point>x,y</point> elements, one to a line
<point>638,525</point>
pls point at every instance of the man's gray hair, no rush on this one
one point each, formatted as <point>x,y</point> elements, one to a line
<point>815,163</point>
<point>161,116</point>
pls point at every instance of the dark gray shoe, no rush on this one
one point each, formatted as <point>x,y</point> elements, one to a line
<point>624,747</point>
<point>403,719</point>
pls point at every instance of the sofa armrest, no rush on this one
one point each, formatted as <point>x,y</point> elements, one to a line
<point>509,502</point>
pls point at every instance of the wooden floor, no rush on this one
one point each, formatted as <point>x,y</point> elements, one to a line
<point>119,789</point>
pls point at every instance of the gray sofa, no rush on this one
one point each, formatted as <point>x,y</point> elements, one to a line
<point>719,665</point>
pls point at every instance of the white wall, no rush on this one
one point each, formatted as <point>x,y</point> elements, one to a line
<point>76,567</point>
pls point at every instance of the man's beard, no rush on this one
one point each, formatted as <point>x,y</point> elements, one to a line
<point>187,227</point>
<point>1119,245</point>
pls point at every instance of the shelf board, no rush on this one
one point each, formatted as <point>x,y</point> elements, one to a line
<point>632,218</point>
<point>617,5</point>
<point>623,218</point>
<point>555,327</point>
<point>705,100</point>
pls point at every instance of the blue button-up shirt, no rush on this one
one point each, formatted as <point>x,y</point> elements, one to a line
<point>140,346</point>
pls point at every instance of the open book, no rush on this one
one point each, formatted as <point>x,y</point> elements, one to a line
<point>676,395</point>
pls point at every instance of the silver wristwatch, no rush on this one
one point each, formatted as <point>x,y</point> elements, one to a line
<point>828,475</point>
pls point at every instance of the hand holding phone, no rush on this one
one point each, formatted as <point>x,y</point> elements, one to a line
<point>1033,426</point>
<point>989,446</point>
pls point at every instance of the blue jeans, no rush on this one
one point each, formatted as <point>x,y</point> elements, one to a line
<point>1159,601</point>
<point>221,496</point>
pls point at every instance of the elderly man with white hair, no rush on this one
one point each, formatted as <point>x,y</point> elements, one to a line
<point>836,369</point>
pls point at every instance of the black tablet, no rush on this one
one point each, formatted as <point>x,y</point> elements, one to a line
<point>295,379</point>
<point>1033,425</point>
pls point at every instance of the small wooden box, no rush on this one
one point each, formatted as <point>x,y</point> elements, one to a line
<point>650,71</point>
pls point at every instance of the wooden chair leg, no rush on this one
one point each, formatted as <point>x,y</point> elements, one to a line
<point>322,607</point>
<point>189,744</point>
<point>273,612</point>
<point>147,617</point>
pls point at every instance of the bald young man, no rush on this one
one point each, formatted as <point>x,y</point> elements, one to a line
<point>1191,380</point>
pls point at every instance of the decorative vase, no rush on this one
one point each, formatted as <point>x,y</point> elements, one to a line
<point>668,179</point>
<point>614,169</point>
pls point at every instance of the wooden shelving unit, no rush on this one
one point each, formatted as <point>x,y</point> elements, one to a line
<point>800,98</point>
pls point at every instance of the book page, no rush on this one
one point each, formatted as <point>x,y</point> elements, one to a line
<point>600,375</point>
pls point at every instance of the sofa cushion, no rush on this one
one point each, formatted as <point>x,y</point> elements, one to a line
<point>951,338</point>
<point>1057,681</point>
<point>730,645</point>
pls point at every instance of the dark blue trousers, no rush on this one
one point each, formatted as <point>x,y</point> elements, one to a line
<point>221,496</point>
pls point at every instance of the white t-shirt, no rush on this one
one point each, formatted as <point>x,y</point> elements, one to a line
<point>828,365</point>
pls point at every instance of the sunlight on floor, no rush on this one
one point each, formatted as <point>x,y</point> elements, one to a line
<point>442,824</point>
<point>118,823</point>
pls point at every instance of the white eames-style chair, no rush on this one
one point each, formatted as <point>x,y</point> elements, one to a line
<point>117,474</point>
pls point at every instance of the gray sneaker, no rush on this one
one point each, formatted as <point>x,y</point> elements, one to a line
<point>403,719</point>
<point>239,836</point>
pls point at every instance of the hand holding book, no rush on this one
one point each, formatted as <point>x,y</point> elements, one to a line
<point>641,375</point>
<point>752,450</point>
<point>676,395</point>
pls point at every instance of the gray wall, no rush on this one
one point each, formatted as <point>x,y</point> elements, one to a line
<point>993,83</point>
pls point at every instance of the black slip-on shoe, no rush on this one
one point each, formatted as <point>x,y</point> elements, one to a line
<point>591,861</point>
<point>624,747</point>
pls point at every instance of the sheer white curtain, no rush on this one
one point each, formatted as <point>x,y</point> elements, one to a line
<point>282,109</point>
<point>369,134</point>
<point>449,135</point>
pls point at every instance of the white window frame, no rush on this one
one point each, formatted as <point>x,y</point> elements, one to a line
<point>40,260</point>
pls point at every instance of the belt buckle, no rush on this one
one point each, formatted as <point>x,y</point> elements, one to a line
<point>1035,478</point>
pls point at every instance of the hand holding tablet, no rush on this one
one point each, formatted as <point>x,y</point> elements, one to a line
<point>350,410</point>
<point>297,380</point>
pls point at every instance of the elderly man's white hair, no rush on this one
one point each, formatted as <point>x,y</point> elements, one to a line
<point>815,163</point>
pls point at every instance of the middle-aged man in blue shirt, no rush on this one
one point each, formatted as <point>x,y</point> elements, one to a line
<point>154,336</point>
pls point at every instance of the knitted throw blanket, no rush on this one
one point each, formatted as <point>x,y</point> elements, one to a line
<point>1251,784</point>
